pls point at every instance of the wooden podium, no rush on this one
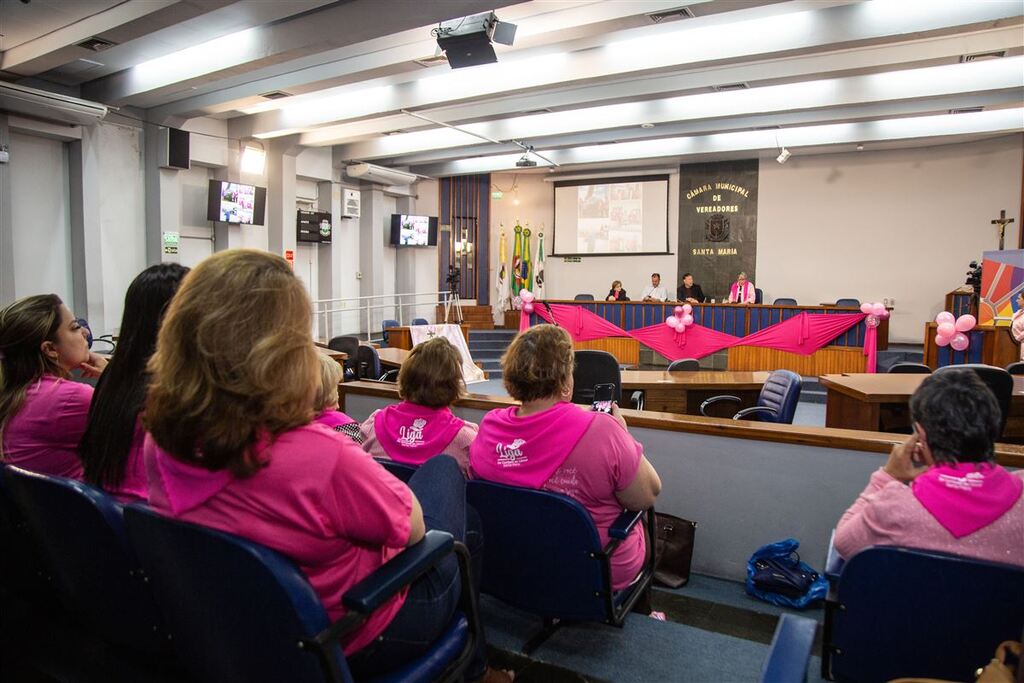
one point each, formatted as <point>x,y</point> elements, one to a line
<point>989,345</point>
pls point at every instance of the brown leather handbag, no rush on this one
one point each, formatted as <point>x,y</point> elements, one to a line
<point>673,548</point>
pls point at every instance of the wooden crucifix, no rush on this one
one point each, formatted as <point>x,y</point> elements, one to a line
<point>1002,222</point>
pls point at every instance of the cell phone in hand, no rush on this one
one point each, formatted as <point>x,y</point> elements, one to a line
<point>604,394</point>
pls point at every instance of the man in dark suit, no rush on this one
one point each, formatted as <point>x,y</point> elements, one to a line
<point>689,292</point>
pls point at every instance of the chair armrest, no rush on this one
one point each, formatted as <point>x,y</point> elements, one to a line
<point>399,571</point>
<point>637,398</point>
<point>622,526</point>
<point>754,410</point>
<point>790,651</point>
<point>717,399</point>
<point>833,561</point>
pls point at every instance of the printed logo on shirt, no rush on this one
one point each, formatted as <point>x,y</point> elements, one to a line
<point>412,435</point>
<point>510,455</point>
<point>972,480</point>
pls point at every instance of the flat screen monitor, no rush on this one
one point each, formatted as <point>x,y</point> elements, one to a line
<point>413,231</point>
<point>230,202</point>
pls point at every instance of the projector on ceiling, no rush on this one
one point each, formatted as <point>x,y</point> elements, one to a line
<point>467,41</point>
<point>526,163</point>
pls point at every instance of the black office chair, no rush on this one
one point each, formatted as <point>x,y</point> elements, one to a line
<point>349,346</point>
<point>684,365</point>
<point>848,303</point>
<point>583,297</point>
<point>368,362</point>
<point>996,379</point>
<point>390,376</point>
<point>385,325</point>
<point>758,296</point>
<point>909,369</point>
<point>784,301</point>
<point>593,368</point>
<point>1016,368</point>
<point>776,403</point>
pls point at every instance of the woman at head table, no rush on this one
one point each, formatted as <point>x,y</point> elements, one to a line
<point>617,293</point>
<point>742,291</point>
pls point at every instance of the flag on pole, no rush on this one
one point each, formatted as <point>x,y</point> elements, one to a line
<point>538,267</point>
<point>517,260</point>
<point>527,263</point>
<point>502,286</point>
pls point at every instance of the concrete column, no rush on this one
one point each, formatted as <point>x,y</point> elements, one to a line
<point>281,226</point>
<point>371,248</point>
<point>6,220</point>
<point>84,174</point>
<point>163,198</point>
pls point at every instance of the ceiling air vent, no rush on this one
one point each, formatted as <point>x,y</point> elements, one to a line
<point>966,110</point>
<point>982,56</point>
<point>96,44</point>
<point>433,60</point>
<point>275,95</point>
<point>671,15</point>
<point>726,87</point>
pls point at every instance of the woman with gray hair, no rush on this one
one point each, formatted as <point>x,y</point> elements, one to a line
<point>742,291</point>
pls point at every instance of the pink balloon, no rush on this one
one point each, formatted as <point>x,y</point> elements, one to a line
<point>884,315</point>
<point>945,317</point>
<point>687,320</point>
<point>678,310</point>
<point>878,309</point>
<point>959,342</point>
<point>866,308</point>
<point>528,307</point>
<point>871,321</point>
<point>966,323</point>
<point>672,321</point>
<point>526,296</point>
<point>941,341</point>
<point>946,330</point>
<point>687,309</point>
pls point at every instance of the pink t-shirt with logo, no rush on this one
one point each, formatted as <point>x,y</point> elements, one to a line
<point>43,435</point>
<point>320,500</point>
<point>458,447</point>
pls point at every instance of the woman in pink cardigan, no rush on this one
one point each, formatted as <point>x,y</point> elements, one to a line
<point>742,291</point>
<point>941,489</point>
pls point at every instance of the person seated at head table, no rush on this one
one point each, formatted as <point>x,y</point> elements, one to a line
<point>551,444</point>
<point>941,489</point>
<point>690,292</point>
<point>231,445</point>
<point>325,405</point>
<point>742,291</point>
<point>654,292</point>
<point>111,448</point>
<point>43,413</point>
<point>617,293</point>
<point>422,425</point>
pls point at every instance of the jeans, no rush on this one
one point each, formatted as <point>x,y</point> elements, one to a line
<point>433,598</point>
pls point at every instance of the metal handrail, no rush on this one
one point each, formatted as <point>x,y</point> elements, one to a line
<point>398,303</point>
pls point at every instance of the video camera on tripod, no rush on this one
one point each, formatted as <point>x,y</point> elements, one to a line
<point>454,275</point>
<point>974,275</point>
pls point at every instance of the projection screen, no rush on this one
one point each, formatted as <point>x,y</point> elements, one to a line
<point>611,216</point>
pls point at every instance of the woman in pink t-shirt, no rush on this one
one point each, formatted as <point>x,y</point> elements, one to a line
<point>111,447</point>
<point>942,490</point>
<point>325,405</point>
<point>42,411</point>
<point>422,425</point>
<point>549,443</point>
<point>232,446</point>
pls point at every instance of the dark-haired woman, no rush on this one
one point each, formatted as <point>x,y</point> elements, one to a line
<point>43,412</point>
<point>941,489</point>
<point>111,448</point>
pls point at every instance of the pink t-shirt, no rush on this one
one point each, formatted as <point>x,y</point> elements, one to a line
<point>458,447</point>
<point>888,513</point>
<point>43,435</point>
<point>320,500</point>
<point>134,487</point>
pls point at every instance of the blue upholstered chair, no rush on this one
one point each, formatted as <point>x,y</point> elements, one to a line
<point>80,532</point>
<point>420,321</point>
<point>26,576</point>
<point>899,612</point>
<point>848,303</point>
<point>543,555</point>
<point>240,611</point>
<point>909,369</point>
<point>784,301</point>
<point>684,365</point>
<point>996,379</point>
<point>758,296</point>
<point>368,362</point>
<point>583,297</point>
<point>399,469</point>
<point>385,325</point>
<point>790,652</point>
<point>1016,368</point>
<point>348,345</point>
<point>593,368</point>
<point>776,403</point>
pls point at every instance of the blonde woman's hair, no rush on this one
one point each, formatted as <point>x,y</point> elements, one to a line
<point>538,363</point>
<point>432,374</point>
<point>331,372</point>
<point>234,362</point>
<point>616,282</point>
<point>24,326</point>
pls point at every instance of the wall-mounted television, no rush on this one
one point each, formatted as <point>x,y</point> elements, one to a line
<point>313,226</point>
<point>236,203</point>
<point>413,231</point>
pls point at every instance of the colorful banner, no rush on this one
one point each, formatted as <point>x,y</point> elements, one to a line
<point>1002,279</point>
<point>502,300</point>
<point>527,263</point>
<point>517,260</point>
<point>538,278</point>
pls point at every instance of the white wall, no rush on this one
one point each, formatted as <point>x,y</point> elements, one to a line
<point>592,275</point>
<point>898,224</point>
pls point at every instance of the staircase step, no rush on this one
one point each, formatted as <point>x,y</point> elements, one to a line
<point>488,345</point>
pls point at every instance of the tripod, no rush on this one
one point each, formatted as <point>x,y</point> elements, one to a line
<point>453,302</point>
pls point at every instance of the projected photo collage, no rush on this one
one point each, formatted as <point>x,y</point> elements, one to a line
<point>237,202</point>
<point>610,218</point>
<point>415,231</point>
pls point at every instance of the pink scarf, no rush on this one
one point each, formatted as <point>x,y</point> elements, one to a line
<point>967,496</point>
<point>412,433</point>
<point>333,418</point>
<point>736,296</point>
<point>526,451</point>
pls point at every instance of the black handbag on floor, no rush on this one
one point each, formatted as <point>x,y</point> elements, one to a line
<point>673,548</point>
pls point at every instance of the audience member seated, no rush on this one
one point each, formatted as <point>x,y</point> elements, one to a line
<point>958,500</point>
<point>551,444</point>
<point>43,413</point>
<point>742,291</point>
<point>422,425</point>
<point>230,446</point>
<point>111,448</point>
<point>325,405</point>
<point>617,293</point>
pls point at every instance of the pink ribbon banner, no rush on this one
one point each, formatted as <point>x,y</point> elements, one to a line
<point>802,334</point>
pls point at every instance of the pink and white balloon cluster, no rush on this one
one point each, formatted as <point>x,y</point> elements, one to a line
<point>953,331</point>
<point>682,318</point>
<point>875,312</point>
<point>527,297</point>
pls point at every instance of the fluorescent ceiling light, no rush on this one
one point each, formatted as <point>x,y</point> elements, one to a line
<point>192,62</point>
<point>254,160</point>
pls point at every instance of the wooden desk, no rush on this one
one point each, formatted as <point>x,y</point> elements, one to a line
<point>990,345</point>
<point>339,356</point>
<point>683,392</point>
<point>401,338</point>
<point>391,357</point>
<point>882,403</point>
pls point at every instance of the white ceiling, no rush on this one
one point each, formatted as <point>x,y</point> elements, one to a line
<point>581,78</point>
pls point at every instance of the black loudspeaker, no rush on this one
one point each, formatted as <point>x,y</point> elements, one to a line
<point>467,49</point>
<point>174,148</point>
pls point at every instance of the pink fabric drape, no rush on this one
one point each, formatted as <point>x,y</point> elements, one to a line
<point>803,334</point>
